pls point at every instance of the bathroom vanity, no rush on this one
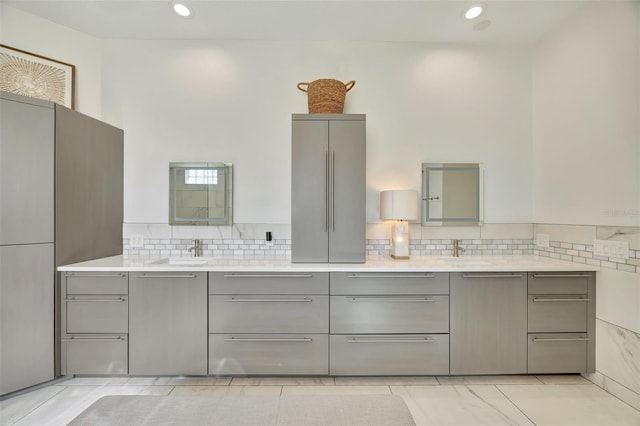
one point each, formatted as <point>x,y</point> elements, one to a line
<point>426,316</point>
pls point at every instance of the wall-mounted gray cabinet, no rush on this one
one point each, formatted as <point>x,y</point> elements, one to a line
<point>61,176</point>
<point>328,188</point>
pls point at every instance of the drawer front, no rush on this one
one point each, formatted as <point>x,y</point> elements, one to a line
<point>389,314</point>
<point>96,354</point>
<point>97,314</point>
<point>268,283</point>
<point>97,283</point>
<point>388,354</point>
<point>558,313</point>
<point>362,283</point>
<point>559,282</point>
<point>557,353</point>
<point>268,354</point>
<point>268,314</point>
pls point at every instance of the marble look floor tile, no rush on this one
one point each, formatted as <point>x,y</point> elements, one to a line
<point>467,405</point>
<point>563,379</point>
<point>95,381</point>
<point>282,381</point>
<point>386,381</point>
<point>194,381</point>
<point>226,390</point>
<point>489,380</point>
<point>71,401</point>
<point>141,381</point>
<point>335,390</point>
<point>571,405</point>
<point>13,409</point>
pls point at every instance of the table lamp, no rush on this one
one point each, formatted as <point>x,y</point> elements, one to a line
<point>399,205</point>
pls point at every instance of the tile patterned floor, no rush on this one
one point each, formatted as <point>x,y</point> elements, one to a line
<point>461,401</point>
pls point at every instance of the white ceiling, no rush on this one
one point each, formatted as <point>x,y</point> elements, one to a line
<point>511,21</point>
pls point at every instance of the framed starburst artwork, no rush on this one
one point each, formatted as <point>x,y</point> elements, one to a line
<point>36,76</point>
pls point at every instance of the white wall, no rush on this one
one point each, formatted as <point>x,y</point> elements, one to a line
<point>36,35</point>
<point>586,109</point>
<point>232,100</point>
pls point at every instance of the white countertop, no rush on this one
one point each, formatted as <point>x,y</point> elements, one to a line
<point>523,263</point>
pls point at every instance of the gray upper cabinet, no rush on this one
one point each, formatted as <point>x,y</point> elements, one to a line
<point>328,188</point>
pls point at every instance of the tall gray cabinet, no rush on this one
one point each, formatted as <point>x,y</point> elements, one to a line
<point>60,202</point>
<point>328,188</point>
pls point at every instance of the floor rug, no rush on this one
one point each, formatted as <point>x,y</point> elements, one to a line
<point>320,410</point>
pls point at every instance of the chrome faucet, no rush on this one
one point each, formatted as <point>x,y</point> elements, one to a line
<point>197,250</point>
<point>457,249</point>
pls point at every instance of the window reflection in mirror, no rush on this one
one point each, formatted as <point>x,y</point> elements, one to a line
<point>200,194</point>
<point>451,194</point>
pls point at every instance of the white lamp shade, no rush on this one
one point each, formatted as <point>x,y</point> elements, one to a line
<point>399,205</point>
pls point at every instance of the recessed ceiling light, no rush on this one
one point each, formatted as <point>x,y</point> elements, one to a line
<point>181,9</point>
<point>474,11</point>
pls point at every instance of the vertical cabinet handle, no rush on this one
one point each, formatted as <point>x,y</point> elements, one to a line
<point>325,210</point>
<point>333,191</point>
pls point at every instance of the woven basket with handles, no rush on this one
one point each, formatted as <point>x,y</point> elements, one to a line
<point>326,96</point>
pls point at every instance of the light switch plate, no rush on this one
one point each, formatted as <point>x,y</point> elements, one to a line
<point>136,241</point>
<point>542,240</point>
<point>606,248</point>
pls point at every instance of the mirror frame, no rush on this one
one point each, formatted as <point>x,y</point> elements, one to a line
<point>477,220</point>
<point>206,221</point>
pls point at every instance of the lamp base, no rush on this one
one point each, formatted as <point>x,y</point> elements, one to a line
<point>400,257</point>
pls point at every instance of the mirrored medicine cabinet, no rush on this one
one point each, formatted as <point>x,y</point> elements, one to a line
<point>452,194</point>
<point>201,194</point>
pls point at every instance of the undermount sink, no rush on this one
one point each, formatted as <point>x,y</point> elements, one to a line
<point>184,261</point>
<point>467,262</point>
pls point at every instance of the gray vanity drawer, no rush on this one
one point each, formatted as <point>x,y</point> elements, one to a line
<point>97,283</point>
<point>306,313</point>
<point>357,283</point>
<point>268,283</point>
<point>557,353</point>
<point>97,314</point>
<point>558,313</point>
<point>98,354</point>
<point>268,354</point>
<point>389,314</point>
<point>355,355</point>
<point>559,282</point>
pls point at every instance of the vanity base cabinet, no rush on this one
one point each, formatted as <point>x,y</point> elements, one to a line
<point>277,354</point>
<point>488,323</point>
<point>268,323</point>
<point>561,322</point>
<point>95,323</point>
<point>168,323</point>
<point>385,354</point>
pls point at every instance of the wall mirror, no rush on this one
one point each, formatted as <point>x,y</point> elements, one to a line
<point>451,194</point>
<point>200,193</point>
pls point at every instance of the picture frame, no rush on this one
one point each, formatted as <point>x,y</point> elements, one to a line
<point>28,74</point>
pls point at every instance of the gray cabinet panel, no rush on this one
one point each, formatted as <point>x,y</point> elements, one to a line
<point>26,173</point>
<point>97,314</point>
<point>488,323</point>
<point>388,354</point>
<point>97,283</point>
<point>268,283</point>
<point>557,313</point>
<point>95,354</point>
<point>268,314</point>
<point>89,187</point>
<point>354,283</point>
<point>559,282</point>
<point>328,188</point>
<point>268,354</point>
<point>389,314</point>
<point>168,323</point>
<point>347,184</point>
<point>26,316</point>
<point>309,191</point>
<point>557,353</point>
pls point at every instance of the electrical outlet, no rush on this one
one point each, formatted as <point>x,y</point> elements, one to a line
<point>606,248</point>
<point>136,241</point>
<point>542,240</point>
